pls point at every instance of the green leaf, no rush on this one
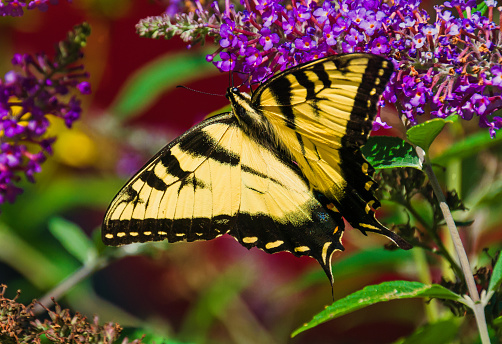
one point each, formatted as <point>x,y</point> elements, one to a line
<point>147,84</point>
<point>481,7</point>
<point>424,134</point>
<point>497,322</point>
<point>378,293</point>
<point>73,239</point>
<point>389,152</point>
<point>469,146</point>
<point>440,332</point>
<point>496,278</point>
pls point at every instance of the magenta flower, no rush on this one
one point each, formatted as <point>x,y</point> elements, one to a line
<point>28,94</point>
<point>451,56</point>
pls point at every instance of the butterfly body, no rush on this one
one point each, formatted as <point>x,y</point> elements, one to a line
<point>278,172</point>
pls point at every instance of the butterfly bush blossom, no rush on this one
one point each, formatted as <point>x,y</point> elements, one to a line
<point>38,87</point>
<point>14,8</point>
<point>449,64</point>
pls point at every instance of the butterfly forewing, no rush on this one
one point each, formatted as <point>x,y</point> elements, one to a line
<point>323,112</point>
<point>172,196</point>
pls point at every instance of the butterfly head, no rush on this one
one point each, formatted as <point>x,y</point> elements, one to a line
<point>236,96</point>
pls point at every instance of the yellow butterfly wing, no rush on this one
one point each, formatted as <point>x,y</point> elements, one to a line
<point>323,112</point>
<point>215,179</point>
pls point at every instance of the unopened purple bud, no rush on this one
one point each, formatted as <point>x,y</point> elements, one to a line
<point>84,87</point>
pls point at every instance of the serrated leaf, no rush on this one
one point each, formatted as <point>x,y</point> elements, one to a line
<point>440,332</point>
<point>389,152</point>
<point>73,239</point>
<point>378,293</point>
<point>496,278</point>
<point>148,83</point>
<point>424,134</point>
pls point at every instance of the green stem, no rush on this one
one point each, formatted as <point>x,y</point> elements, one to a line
<point>478,308</point>
<point>62,288</point>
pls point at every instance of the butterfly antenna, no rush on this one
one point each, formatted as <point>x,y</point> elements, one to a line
<point>231,77</point>
<point>194,90</point>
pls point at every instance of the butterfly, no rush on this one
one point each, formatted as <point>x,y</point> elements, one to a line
<point>279,172</point>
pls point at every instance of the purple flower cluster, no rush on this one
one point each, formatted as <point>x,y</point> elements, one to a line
<point>38,87</point>
<point>449,66</point>
<point>15,8</point>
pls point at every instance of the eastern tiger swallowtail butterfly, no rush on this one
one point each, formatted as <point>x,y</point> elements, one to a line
<point>279,172</point>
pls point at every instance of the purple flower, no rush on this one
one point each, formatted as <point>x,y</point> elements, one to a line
<point>227,62</point>
<point>305,43</point>
<point>38,87</point>
<point>11,128</point>
<point>302,13</point>
<point>440,60</point>
<point>358,16</point>
<point>340,25</point>
<point>419,41</point>
<point>380,46</point>
<point>496,75</point>
<point>430,30</point>
<point>268,39</point>
<point>228,39</point>
<point>379,124</point>
<point>254,57</point>
<point>84,87</point>
<point>322,13</point>
<point>468,26</point>
<point>407,23</point>
<point>480,103</point>
<point>370,25</point>
<point>14,8</point>
<point>354,37</point>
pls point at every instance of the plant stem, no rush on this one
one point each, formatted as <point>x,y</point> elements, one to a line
<point>478,308</point>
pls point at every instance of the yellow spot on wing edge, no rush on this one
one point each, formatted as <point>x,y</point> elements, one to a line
<point>365,225</point>
<point>368,185</point>
<point>133,233</point>
<point>121,234</point>
<point>109,236</point>
<point>273,244</point>
<point>249,240</point>
<point>147,233</point>
<point>365,168</point>
<point>302,249</point>
<point>162,233</point>
<point>325,251</point>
